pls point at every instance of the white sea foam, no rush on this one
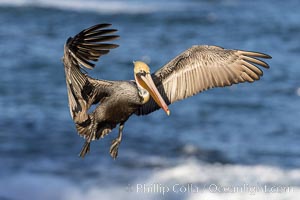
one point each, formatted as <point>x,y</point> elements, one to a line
<point>207,181</point>
<point>189,180</point>
<point>111,7</point>
<point>298,91</point>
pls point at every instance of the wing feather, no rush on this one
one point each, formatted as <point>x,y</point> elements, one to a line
<point>200,68</point>
<point>79,53</point>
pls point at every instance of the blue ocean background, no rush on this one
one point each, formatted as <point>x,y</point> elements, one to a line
<point>247,134</point>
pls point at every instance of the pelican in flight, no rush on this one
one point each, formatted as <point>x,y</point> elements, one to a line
<point>198,68</point>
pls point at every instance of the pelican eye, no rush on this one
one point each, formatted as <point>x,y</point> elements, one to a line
<point>142,73</point>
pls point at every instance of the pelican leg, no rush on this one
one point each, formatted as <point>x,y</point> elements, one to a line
<point>86,147</point>
<point>116,142</point>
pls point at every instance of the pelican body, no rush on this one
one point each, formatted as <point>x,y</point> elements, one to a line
<point>197,69</point>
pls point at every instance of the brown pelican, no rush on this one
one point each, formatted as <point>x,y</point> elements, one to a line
<point>196,69</point>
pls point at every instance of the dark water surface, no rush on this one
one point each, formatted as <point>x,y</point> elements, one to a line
<point>244,134</point>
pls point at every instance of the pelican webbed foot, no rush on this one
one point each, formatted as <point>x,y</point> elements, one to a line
<point>85,149</point>
<point>116,143</point>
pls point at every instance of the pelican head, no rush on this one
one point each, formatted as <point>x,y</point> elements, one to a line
<point>144,81</point>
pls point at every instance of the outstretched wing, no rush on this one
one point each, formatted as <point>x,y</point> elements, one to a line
<point>203,67</point>
<point>79,52</point>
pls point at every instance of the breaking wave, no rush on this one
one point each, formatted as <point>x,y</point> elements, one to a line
<point>105,7</point>
<point>188,180</point>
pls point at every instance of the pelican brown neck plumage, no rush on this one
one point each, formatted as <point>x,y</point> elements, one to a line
<point>146,85</point>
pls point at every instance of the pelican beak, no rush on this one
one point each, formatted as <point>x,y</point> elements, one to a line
<point>149,85</point>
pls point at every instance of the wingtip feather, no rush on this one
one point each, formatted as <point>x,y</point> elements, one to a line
<point>88,44</point>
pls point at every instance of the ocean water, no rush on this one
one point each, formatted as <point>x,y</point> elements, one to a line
<point>240,142</point>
